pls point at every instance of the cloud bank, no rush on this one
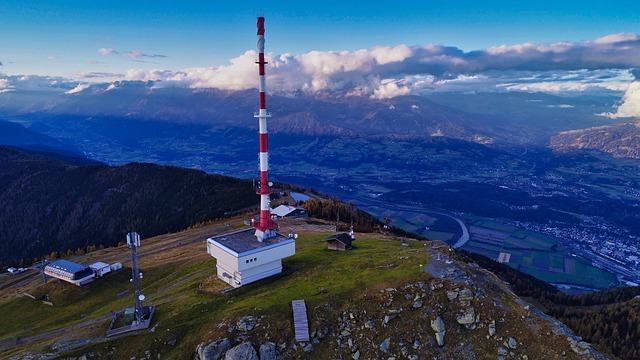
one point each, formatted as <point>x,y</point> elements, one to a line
<point>605,64</point>
<point>384,71</point>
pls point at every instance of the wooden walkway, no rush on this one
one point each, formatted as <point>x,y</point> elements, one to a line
<point>300,322</point>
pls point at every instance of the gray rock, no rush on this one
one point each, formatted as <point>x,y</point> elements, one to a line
<point>578,346</point>
<point>467,317</point>
<point>387,318</point>
<point>465,294</point>
<point>417,304</point>
<point>246,323</point>
<point>492,328</point>
<point>417,345</point>
<point>384,346</point>
<point>214,350</point>
<point>268,351</point>
<point>356,355</point>
<point>370,325</point>
<point>512,344</point>
<point>438,326</point>
<point>244,351</point>
<point>452,294</point>
<point>440,338</point>
<point>307,347</point>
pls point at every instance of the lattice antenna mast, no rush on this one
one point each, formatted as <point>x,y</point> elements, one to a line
<point>133,241</point>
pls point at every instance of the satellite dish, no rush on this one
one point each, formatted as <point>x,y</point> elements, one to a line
<point>295,236</point>
<point>270,183</point>
<point>141,297</point>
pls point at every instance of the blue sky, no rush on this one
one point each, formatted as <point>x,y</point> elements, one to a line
<point>63,37</point>
<point>376,49</point>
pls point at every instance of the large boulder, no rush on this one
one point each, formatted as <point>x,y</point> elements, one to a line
<point>468,316</point>
<point>215,350</point>
<point>244,351</point>
<point>268,351</point>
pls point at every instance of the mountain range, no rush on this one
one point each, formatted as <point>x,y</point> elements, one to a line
<point>500,118</point>
<point>621,140</point>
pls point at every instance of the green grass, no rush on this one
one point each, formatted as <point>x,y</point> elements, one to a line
<point>25,316</point>
<point>315,274</point>
<point>319,273</point>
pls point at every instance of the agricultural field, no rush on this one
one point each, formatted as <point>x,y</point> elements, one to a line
<point>540,255</point>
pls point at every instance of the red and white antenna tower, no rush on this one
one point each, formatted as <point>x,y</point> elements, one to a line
<point>265,227</point>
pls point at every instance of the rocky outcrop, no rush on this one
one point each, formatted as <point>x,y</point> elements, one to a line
<point>214,350</point>
<point>268,351</point>
<point>244,351</point>
<point>408,321</point>
<point>438,326</point>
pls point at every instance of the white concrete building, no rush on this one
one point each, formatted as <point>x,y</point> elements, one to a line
<point>241,259</point>
<point>100,268</point>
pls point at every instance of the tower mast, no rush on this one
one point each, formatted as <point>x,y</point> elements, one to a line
<point>265,227</point>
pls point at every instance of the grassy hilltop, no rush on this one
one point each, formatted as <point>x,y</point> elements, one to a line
<point>356,300</point>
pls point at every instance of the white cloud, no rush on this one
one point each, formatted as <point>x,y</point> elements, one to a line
<point>602,64</point>
<point>561,106</point>
<point>390,90</point>
<point>4,83</point>
<point>77,89</point>
<point>134,54</point>
<point>105,51</point>
<point>630,104</point>
<point>552,67</point>
<point>616,38</point>
<point>546,87</point>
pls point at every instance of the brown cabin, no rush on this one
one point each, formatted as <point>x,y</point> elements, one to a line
<point>340,242</point>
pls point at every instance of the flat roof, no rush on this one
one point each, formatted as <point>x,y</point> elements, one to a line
<point>243,241</point>
<point>98,265</point>
<point>67,265</point>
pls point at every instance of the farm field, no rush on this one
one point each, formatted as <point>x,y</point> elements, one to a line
<point>540,255</point>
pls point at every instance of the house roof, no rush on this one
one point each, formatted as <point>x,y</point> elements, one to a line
<point>68,266</point>
<point>284,210</point>
<point>99,265</point>
<point>243,242</point>
<point>343,238</point>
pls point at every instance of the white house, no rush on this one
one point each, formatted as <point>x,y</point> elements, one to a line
<point>241,259</point>
<point>100,268</point>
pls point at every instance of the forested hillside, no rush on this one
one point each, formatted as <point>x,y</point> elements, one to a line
<point>49,204</point>
<point>608,319</point>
